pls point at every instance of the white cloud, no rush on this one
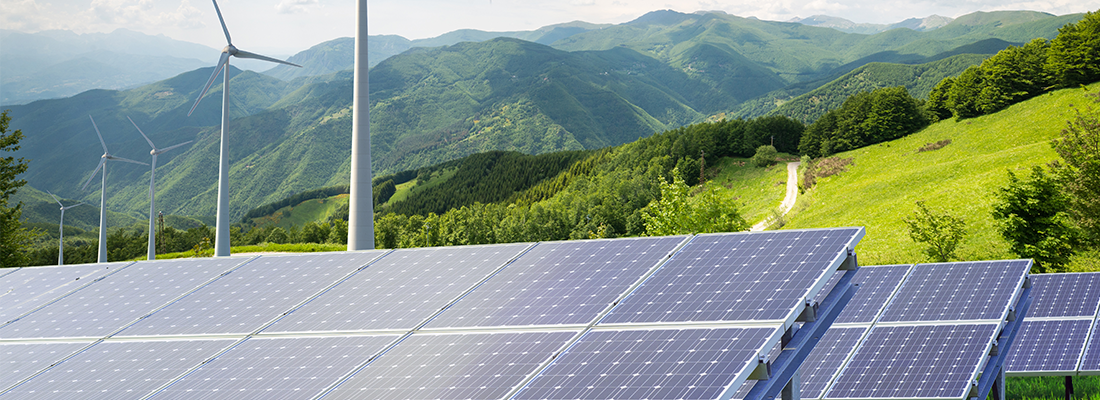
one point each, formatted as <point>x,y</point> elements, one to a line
<point>295,6</point>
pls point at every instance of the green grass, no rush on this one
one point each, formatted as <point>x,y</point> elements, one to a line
<point>258,248</point>
<point>757,191</point>
<point>1051,388</point>
<point>882,186</point>
<point>307,211</point>
<point>404,190</point>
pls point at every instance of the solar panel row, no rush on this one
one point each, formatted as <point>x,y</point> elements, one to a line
<point>1059,337</point>
<point>497,321</point>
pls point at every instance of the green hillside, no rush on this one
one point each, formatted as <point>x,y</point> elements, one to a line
<point>884,181</point>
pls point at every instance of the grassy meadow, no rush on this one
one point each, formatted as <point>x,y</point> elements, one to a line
<point>884,182</point>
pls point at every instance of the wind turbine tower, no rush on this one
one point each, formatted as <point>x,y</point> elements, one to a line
<point>61,229</point>
<point>103,191</point>
<point>221,243</point>
<point>361,200</point>
<point>152,188</point>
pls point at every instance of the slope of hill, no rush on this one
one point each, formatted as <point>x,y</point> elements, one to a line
<point>917,24</point>
<point>961,178</point>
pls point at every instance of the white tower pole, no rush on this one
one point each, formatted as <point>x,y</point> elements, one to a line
<point>152,202</point>
<point>61,240</point>
<point>103,218</point>
<point>221,240</point>
<point>361,206</point>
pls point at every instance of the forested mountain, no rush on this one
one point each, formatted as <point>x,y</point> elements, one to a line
<point>591,89</point>
<point>843,25</point>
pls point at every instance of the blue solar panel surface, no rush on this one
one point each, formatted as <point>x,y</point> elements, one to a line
<point>1064,295</point>
<point>720,277</point>
<point>876,285</point>
<point>252,295</point>
<point>277,368</point>
<point>18,361</point>
<point>400,290</point>
<point>651,364</point>
<point>559,283</point>
<point>1091,360</point>
<point>107,305</point>
<point>453,366</point>
<point>826,359</point>
<point>922,361</point>
<point>957,291</point>
<point>118,370</point>
<point>24,290</point>
<point>1049,346</point>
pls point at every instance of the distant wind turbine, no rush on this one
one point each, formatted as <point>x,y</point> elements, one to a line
<point>103,191</point>
<point>221,245</point>
<point>61,229</point>
<point>152,188</point>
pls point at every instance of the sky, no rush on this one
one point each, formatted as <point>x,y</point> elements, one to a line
<point>285,27</point>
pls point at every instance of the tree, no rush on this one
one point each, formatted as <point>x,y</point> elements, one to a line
<point>765,156</point>
<point>939,231</point>
<point>677,212</point>
<point>1074,56</point>
<point>384,191</point>
<point>1032,217</point>
<point>937,104</point>
<point>1079,147</point>
<point>13,237</point>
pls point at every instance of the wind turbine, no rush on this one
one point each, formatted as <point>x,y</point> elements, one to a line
<point>61,229</point>
<point>221,245</point>
<point>103,191</point>
<point>152,178</point>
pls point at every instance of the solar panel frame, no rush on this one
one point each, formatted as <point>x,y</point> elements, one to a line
<point>544,281</point>
<point>47,284</point>
<point>1038,352</point>
<point>343,308</point>
<point>1090,359</point>
<point>680,276</point>
<point>121,298</point>
<point>913,302</point>
<point>229,305</point>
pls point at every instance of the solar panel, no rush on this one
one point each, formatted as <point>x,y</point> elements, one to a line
<point>118,370</point>
<point>247,298</point>
<point>1090,362</point>
<point>979,290</point>
<point>453,366</point>
<point>826,359</point>
<point>923,361</point>
<point>19,361</point>
<point>720,277</point>
<point>109,304</point>
<point>282,368</point>
<point>1065,295</point>
<point>652,364</point>
<point>559,283</point>
<point>1050,347</point>
<point>876,285</point>
<point>400,290</point>
<point>27,288</point>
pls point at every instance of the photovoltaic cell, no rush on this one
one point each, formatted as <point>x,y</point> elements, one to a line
<point>400,290</point>
<point>1048,346</point>
<point>277,368</point>
<point>923,361</point>
<point>119,299</point>
<point>452,366</point>
<point>722,277</point>
<point>651,364</point>
<point>826,359</point>
<point>118,370</point>
<point>18,361</point>
<point>876,284</point>
<point>1064,295</point>
<point>1091,360</point>
<point>957,291</point>
<point>252,295</point>
<point>28,288</point>
<point>559,283</point>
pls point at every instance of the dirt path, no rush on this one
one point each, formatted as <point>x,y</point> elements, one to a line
<point>788,200</point>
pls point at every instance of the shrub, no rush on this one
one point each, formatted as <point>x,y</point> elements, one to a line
<point>940,231</point>
<point>765,156</point>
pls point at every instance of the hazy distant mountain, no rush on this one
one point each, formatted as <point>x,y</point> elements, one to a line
<point>843,25</point>
<point>54,64</point>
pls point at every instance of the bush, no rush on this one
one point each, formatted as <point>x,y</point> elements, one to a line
<point>939,231</point>
<point>1032,217</point>
<point>765,156</point>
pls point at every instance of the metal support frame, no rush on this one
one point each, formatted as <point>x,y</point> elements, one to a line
<point>784,380</point>
<point>1069,387</point>
<point>993,376</point>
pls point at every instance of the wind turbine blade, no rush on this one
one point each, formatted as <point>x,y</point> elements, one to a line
<point>55,199</point>
<point>172,147</point>
<point>245,54</point>
<point>218,69</point>
<point>228,40</point>
<point>98,134</point>
<point>142,134</point>
<point>113,158</point>
<point>101,161</point>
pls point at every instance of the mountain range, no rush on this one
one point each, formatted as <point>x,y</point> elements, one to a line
<point>587,88</point>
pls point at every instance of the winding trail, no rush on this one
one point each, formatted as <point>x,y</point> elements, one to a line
<point>788,200</point>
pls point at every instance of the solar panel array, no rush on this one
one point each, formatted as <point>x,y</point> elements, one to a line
<point>919,332</point>
<point>1059,336</point>
<point>653,317</point>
